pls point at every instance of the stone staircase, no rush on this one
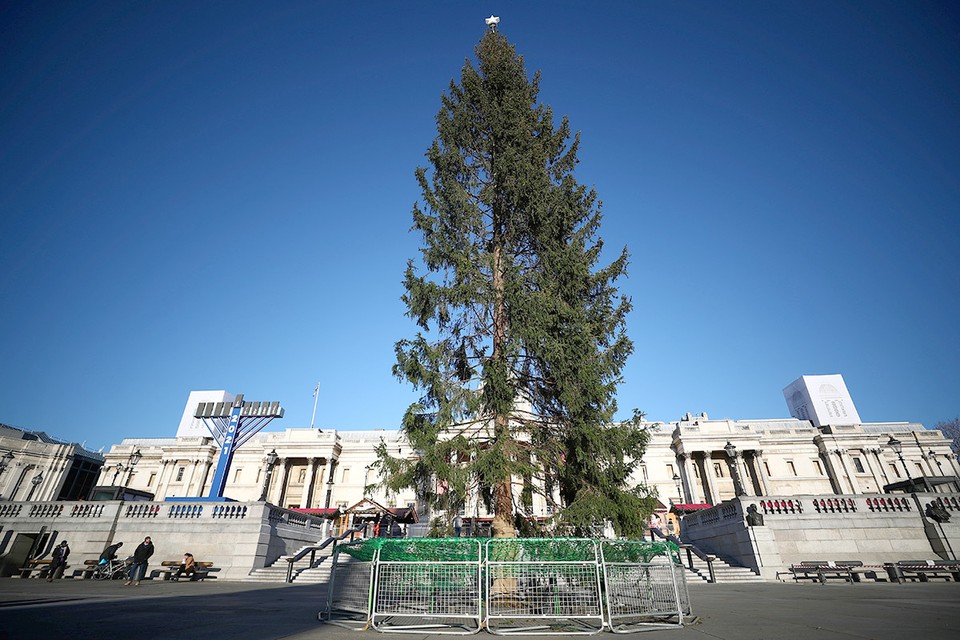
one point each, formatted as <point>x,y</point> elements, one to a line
<point>303,573</point>
<point>725,570</point>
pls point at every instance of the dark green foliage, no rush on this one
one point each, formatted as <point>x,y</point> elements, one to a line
<point>521,339</point>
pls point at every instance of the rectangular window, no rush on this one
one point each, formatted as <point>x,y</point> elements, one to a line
<point>896,472</point>
<point>858,465</point>
<point>920,470</point>
<point>670,471</point>
<point>236,475</point>
<point>303,476</point>
<point>817,467</point>
<point>766,466</point>
<point>153,477</point>
<point>259,471</point>
<point>718,469</point>
<point>180,473</point>
<point>345,475</point>
<point>792,467</point>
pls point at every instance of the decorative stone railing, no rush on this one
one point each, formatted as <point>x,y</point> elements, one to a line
<point>798,506</point>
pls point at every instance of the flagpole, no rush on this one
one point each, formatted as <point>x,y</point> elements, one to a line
<point>316,396</point>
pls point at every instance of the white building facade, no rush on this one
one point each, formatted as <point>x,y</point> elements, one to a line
<point>35,466</point>
<point>692,460</point>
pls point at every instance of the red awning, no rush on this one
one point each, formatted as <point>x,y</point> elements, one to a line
<point>315,512</point>
<point>689,507</point>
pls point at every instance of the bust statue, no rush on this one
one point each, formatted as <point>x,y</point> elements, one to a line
<point>754,517</point>
<point>937,513</point>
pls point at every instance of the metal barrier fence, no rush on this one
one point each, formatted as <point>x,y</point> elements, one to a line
<point>428,586</point>
<point>537,586</point>
<point>350,591</point>
<point>519,586</point>
<point>642,592</point>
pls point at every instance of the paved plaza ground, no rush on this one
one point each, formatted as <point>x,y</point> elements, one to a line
<point>89,610</point>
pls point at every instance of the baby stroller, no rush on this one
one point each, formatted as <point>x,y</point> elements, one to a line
<point>113,569</point>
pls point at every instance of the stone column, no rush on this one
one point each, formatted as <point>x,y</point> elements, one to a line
<point>746,480</point>
<point>873,471</point>
<point>876,451</point>
<point>307,496</point>
<point>851,480</point>
<point>684,479</point>
<point>282,489</point>
<point>207,465</point>
<point>163,480</point>
<point>933,471</point>
<point>187,486</point>
<point>699,459</point>
<point>952,461</point>
<point>761,471</point>
<point>831,467</point>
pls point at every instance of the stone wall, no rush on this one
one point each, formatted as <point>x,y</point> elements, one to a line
<point>237,537</point>
<point>871,528</point>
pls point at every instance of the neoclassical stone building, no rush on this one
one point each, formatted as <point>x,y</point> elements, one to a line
<point>36,466</point>
<point>693,460</point>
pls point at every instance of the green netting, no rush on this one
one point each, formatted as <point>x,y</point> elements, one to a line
<point>637,551</point>
<point>541,550</point>
<point>415,549</point>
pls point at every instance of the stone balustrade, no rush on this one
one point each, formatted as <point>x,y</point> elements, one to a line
<point>872,528</point>
<point>237,537</point>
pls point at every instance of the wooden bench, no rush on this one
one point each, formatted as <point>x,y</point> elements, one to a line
<point>40,567</point>
<point>820,570</point>
<point>89,566</point>
<point>923,570</point>
<point>169,567</point>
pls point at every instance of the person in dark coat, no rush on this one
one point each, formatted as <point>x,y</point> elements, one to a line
<point>140,557</point>
<point>110,553</point>
<point>59,561</point>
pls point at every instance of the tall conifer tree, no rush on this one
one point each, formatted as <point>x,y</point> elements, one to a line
<point>521,339</point>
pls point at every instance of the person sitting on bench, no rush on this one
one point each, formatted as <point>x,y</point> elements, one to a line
<point>187,567</point>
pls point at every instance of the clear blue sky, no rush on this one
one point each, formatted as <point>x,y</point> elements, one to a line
<point>217,195</point>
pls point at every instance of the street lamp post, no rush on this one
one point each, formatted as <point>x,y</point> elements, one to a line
<point>897,447</point>
<point>132,461</point>
<point>676,481</point>
<point>271,461</point>
<point>37,479</point>
<point>731,450</point>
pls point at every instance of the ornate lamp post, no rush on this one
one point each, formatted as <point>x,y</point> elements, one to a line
<point>731,450</point>
<point>37,479</point>
<point>676,481</point>
<point>897,447</point>
<point>132,461</point>
<point>271,461</point>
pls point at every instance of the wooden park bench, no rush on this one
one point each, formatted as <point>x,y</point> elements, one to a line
<point>169,567</point>
<point>86,572</point>
<point>820,570</point>
<point>923,570</point>
<point>40,567</point>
